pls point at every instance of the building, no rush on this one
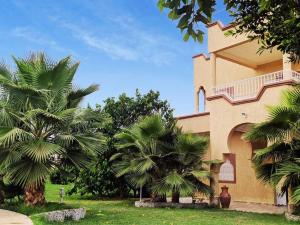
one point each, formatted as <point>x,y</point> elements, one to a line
<point>237,84</point>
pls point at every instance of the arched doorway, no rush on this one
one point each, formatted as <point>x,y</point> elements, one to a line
<point>243,185</point>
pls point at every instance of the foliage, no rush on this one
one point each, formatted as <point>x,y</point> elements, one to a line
<point>9,191</point>
<point>124,212</point>
<point>189,13</point>
<point>279,163</point>
<point>64,175</point>
<point>99,179</point>
<point>161,156</point>
<point>41,126</point>
<point>125,111</point>
<point>275,23</point>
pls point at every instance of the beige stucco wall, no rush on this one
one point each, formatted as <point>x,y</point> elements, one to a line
<point>217,39</point>
<point>228,71</point>
<point>247,188</point>
<point>269,67</point>
<point>225,116</point>
<point>202,72</point>
<point>221,121</point>
<point>195,124</point>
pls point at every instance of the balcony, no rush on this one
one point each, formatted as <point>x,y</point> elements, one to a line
<point>250,88</point>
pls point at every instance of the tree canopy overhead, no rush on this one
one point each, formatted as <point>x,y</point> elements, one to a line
<point>189,13</point>
<point>275,23</point>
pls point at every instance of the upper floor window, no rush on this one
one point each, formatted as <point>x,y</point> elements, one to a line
<point>201,97</point>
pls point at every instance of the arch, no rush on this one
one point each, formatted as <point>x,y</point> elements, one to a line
<point>246,187</point>
<point>242,128</point>
<point>201,98</point>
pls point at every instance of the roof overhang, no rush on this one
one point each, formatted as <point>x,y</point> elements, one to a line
<point>247,54</point>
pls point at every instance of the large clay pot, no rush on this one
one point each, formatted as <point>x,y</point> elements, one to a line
<point>225,197</point>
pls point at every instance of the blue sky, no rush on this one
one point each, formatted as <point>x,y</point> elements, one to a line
<point>121,44</point>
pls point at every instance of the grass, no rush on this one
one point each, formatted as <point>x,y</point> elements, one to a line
<point>123,212</point>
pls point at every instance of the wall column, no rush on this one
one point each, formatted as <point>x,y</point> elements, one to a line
<point>214,199</point>
<point>213,68</point>
<point>291,205</point>
<point>286,66</point>
<point>196,98</point>
<point>286,63</point>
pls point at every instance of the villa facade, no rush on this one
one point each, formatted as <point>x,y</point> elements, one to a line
<point>237,84</point>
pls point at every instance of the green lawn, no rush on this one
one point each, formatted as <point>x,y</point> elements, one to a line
<point>123,212</point>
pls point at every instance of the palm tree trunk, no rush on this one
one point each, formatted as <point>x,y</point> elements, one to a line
<point>35,195</point>
<point>158,198</point>
<point>175,197</point>
<point>1,197</point>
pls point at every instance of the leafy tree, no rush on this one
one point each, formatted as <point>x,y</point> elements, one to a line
<point>156,154</point>
<point>189,13</point>
<point>9,191</point>
<point>275,23</point>
<point>41,126</point>
<point>123,112</point>
<point>279,163</point>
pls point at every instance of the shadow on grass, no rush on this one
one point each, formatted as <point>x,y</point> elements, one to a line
<point>21,207</point>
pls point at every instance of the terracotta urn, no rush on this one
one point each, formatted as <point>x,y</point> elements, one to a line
<point>225,197</point>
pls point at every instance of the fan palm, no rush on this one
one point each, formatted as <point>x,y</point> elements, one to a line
<point>186,171</point>
<point>159,155</point>
<point>41,125</point>
<point>278,164</point>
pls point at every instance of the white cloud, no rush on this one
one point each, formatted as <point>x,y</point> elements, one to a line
<point>36,37</point>
<point>124,39</point>
<point>112,49</point>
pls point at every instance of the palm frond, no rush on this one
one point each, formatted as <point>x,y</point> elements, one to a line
<point>40,151</point>
<point>28,173</point>
<point>9,136</point>
<point>296,195</point>
<point>174,182</point>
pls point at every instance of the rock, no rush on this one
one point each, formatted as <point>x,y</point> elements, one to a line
<point>292,217</point>
<point>61,215</point>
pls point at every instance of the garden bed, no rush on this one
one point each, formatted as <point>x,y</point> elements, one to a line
<point>149,204</point>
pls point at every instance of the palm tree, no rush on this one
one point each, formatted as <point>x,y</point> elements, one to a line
<point>41,125</point>
<point>140,152</point>
<point>186,169</point>
<point>157,154</point>
<point>279,163</point>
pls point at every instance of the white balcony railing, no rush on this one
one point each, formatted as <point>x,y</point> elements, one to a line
<point>249,88</point>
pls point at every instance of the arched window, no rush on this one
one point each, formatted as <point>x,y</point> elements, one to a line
<point>201,97</point>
